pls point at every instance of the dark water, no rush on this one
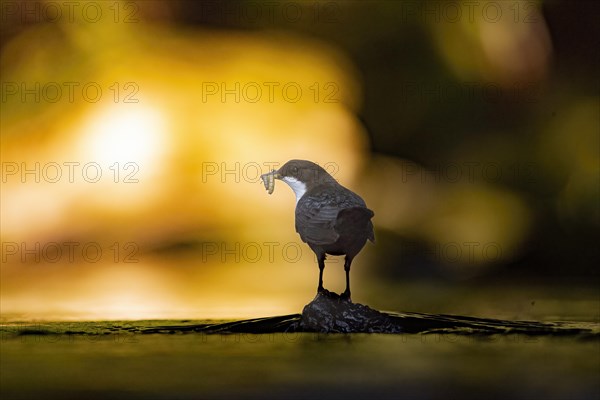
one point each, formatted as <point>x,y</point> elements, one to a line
<point>101,360</point>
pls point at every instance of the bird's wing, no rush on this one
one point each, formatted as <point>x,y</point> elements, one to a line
<point>356,221</point>
<point>315,219</point>
<point>319,219</point>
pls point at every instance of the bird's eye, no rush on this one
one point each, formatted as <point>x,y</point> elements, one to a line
<point>295,170</point>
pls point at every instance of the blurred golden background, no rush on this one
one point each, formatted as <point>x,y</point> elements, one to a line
<point>133,135</point>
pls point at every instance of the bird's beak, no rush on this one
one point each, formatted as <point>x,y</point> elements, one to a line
<point>269,180</point>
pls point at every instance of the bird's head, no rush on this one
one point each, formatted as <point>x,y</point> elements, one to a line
<point>300,175</point>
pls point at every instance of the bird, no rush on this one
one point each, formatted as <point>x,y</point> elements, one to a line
<point>330,218</point>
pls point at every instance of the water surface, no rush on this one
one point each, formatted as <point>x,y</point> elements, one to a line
<point>99,360</point>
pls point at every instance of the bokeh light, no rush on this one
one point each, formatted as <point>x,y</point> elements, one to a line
<point>131,154</point>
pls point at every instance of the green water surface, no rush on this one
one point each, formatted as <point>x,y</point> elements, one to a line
<point>106,360</point>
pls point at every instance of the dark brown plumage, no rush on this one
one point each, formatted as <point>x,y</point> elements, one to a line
<point>330,218</point>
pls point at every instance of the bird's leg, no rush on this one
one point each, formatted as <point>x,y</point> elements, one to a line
<point>347,262</point>
<point>321,260</point>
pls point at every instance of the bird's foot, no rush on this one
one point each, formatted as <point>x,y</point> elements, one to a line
<point>346,296</point>
<point>326,293</point>
<point>334,296</point>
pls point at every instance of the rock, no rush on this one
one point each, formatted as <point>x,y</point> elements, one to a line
<point>330,313</point>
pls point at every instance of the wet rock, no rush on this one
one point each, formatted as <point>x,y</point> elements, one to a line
<point>328,312</point>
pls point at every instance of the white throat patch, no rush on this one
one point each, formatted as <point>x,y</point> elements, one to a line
<point>298,187</point>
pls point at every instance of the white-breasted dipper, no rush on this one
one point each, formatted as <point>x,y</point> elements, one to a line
<point>329,218</point>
